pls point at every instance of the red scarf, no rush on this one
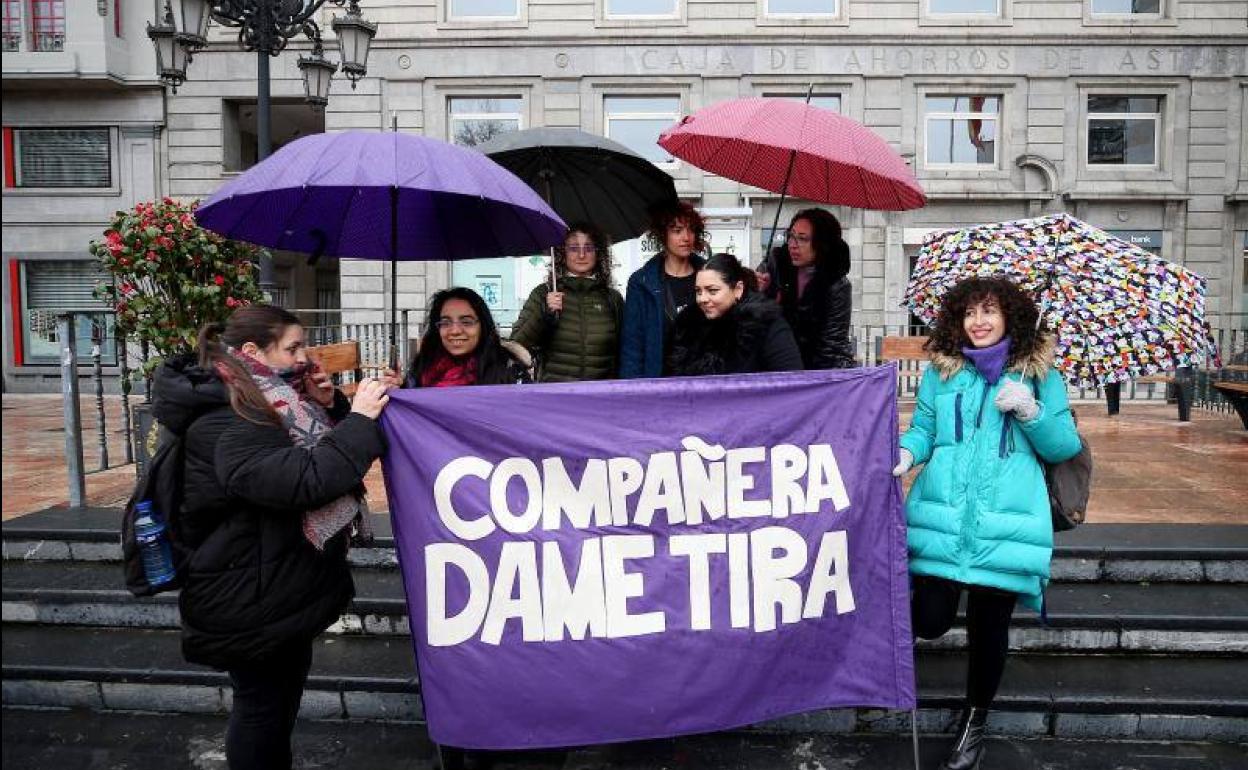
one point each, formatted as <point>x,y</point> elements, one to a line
<point>446,372</point>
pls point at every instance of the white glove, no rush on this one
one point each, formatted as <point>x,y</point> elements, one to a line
<point>1016,397</point>
<point>907,461</point>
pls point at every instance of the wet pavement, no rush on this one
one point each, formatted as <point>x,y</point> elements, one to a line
<point>81,740</point>
<point>1149,467</point>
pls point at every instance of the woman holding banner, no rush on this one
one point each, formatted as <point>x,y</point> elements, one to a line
<point>991,408</point>
<point>575,327</point>
<point>731,328</point>
<point>461,346</point>
<point>272,483</point>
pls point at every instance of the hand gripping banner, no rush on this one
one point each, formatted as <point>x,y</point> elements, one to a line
<point>611,561</point>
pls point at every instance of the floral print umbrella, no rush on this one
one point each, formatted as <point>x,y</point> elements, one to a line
<point>1119,312</point>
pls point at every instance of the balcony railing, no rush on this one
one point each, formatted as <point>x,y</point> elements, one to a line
<point>12,41</point>
<point>45,42</point>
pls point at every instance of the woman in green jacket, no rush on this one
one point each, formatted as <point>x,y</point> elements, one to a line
<point>991,408</point>
<point>575,330</point>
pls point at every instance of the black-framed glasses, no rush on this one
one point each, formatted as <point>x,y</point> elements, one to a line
<point>792,237</point>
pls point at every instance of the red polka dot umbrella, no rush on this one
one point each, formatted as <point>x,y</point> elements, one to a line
<point>792,148</point>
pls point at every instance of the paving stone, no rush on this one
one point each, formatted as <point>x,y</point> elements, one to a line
<point>96,552</point>
<point>19,692</point>
<point>1227,571</point>
<point>387,706</point>
<point>1198,728</point>
<point>1096,725</point>
<point>1187,641</point>
<point>319,704</point>
<point>1153,570</point>
<point>190,699</point>
<point>1072,570</point>
<point>42,550</point>
<point>19,612</point>
<point>825,721</point>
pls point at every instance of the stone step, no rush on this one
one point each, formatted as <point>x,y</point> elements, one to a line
<point>1181,618</point>
<point>197,742</point>
<point>373,677</point>
<point>1093,552</point>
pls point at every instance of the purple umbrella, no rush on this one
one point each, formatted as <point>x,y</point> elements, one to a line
<point>376,195</point>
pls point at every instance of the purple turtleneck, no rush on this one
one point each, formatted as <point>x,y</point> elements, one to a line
<point>990,361</point>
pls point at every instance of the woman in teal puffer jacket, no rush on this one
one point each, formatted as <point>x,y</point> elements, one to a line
<point>990,409</point>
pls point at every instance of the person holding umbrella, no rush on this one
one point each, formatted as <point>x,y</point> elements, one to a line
<point>661,288</point>
<point>991,408</point>
<point>575,324</point>
<point>812,285</point>
<point>461,346</point>
<point>732,328</point>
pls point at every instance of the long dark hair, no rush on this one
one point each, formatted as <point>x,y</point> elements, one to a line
<point>831,250</point>
<point>602,246</point>
<point>492,359</point>
<point>731,270</point>
<point>1020,312</point>
<point>263,325</point>
<point>664,216</point>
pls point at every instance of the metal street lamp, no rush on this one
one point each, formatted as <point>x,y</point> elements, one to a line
<point>264,26</point>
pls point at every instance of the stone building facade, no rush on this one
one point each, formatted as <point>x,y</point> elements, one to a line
<point>1130,114</point>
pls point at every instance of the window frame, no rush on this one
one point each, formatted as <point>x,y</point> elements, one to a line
<point>1165,17</point>
<point>451,116</point>
<point>14,25</point>
<point>1002,17</point>
<point>33,19</point>
<point>954,116</point>
<point>836,12</point>
<point>12,163</point>
<point>670,166</point>
<point>764,17</point>
<point>1158,127</point>
<point>781,93</point>
<point>678,18</point>
<point>445,20</point>
<point>21,329</point>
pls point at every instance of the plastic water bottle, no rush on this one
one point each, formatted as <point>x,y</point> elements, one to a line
<point>150,534</point>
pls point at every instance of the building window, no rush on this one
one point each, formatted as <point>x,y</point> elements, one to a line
<point>637,121</point>
<point>289,120</point>
<point>1123,130</point>
<point>951,7</point>
<point>961,130</point>
<point>801,7</point>
<point>457,10</point>
<point>12,24</point>
<point>1126,7</point>
<point>47,25</point>
<point>50,289</point>
<point>830,102</point>
<point>615,9</point>
<point>60,157</point>
<point>478,119</point>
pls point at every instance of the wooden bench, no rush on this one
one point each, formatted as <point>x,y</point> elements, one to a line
<point>338,358</point>
<point>909,354</point>
<point>1183,384</point>
<point>1237,394</point>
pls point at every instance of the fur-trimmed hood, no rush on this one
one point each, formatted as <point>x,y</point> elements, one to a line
<point>1040,360</point>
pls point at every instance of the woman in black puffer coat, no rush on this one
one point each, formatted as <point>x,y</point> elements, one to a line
<point>730,328</point>
<point>811,283</point>
<point>275,458</point>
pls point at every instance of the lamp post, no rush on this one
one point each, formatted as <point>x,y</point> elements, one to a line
<point>264,26</point>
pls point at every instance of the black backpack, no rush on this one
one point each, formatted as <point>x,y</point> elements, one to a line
<point>161,483</point>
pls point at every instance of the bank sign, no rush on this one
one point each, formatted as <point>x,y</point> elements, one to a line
<point>595,562</point>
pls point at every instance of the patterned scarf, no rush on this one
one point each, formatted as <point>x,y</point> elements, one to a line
<point>446,372</point>
<point>306,422</point>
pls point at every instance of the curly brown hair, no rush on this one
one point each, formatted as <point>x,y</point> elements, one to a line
<point>1020,312</point>
<point>602,246</point>
<point>663,217</point>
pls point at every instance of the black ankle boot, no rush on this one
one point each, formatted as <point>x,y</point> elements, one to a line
<point>968,749</point>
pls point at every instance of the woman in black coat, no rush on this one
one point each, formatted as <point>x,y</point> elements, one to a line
<point>274,464</point>
<point>461,346</point>
<point>730,328</point>
<point>812,285</point>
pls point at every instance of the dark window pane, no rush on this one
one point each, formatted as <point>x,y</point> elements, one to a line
<point>962,142</point>
<point>1125,104</point>
<point>1126,6</point>
<point>1122,142</point>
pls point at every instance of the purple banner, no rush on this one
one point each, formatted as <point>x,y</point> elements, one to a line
<point>613,561</point>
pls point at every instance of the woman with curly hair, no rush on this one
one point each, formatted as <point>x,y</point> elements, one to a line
<point>991,408</point>
<point>575,327</point>
<point>661,288</point>
<point>811,283</point>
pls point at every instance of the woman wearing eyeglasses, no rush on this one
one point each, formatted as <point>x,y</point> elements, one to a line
<point>461,346</point>
<point>813,288</point>
<point>575,327</point>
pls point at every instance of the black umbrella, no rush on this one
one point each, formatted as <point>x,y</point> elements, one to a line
<point>585,178</point>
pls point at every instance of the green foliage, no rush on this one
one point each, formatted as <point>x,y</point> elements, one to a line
<point>171,276</point>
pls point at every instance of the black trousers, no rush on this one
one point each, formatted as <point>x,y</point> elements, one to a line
<point>933,608</point>
<point>266,702</point>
